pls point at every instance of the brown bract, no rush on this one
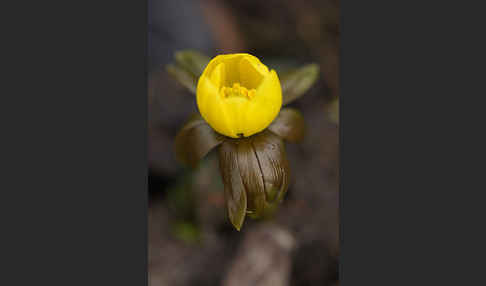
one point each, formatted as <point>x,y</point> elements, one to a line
<point>255,174</point>
<point>195,140</point>
<point>255,170</point>
<point>289,125</point>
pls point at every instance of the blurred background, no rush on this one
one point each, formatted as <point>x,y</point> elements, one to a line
<point>191,241</point>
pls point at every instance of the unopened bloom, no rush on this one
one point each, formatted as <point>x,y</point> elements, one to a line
<point>239,101</point>
<point>238,95</point>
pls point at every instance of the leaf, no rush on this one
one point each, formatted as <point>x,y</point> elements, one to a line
<point>192,61</point>
<point>289,125</point>
<point>184,77</point>
<point>234,190</point>
<point>297,82</point>
<point>195,140</point>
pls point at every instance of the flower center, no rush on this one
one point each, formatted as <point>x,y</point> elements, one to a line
<point>237,90</point>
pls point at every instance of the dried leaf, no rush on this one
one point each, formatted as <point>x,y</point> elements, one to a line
<point>270,151</point>
<point>187,79</point>
<point>258,167</point>
<point>195,140</point>
<point>234,190</point>
<point>297,82</point>
<point>289,125</point>
<point>251,176</point>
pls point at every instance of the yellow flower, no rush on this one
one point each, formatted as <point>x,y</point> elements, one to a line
<point>238,96</point>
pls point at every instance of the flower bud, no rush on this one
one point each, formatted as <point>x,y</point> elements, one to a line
<point>238,95</point>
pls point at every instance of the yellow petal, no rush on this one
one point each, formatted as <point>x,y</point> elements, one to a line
<point>211,106</point>
<point>218,75</point>
<point>236,108</point>
<point>265,105</point>
<point>251,72</point>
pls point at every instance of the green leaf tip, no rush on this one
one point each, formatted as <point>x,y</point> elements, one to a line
<point>193,61</point>
<point>183,77</point>
<point>188,67</point>
<point>297,82</point>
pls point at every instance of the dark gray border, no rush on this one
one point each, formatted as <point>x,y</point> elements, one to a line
<point>410,125</point>
<point>76,156</point>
